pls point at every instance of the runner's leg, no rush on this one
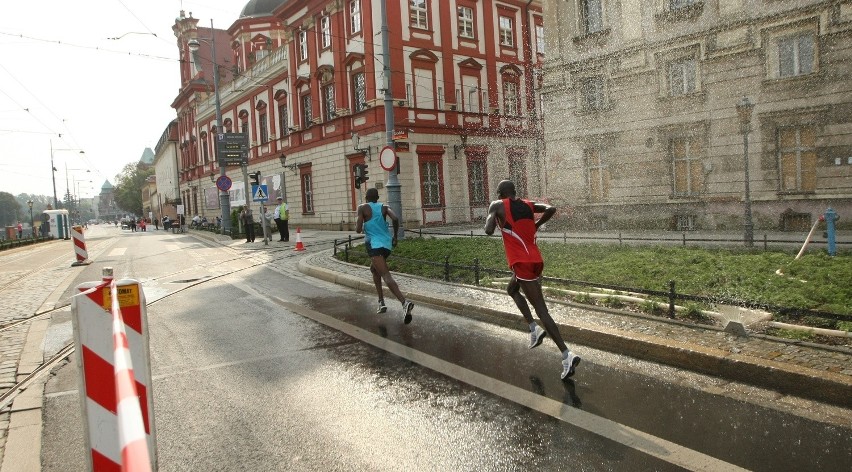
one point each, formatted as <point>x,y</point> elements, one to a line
<point>532,289</point>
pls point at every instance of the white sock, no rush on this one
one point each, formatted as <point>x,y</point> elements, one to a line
<point>533,326</point>
<point>565,354</point>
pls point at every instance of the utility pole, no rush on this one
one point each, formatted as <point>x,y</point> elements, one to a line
<point>392,184</point>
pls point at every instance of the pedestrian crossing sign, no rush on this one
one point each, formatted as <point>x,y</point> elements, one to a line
<point>259,193</point>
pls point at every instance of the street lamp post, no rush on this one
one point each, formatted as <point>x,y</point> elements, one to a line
<point>224,198</point>
<point>744,110</point>
<point>53,172</point>
<point>32,221</point>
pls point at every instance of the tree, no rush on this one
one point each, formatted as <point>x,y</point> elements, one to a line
<point>129,185</point>
<point>10,211</point>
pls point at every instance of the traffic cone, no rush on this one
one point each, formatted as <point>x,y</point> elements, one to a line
<point>299,245</point>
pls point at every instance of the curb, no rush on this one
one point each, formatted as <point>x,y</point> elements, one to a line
<point>827,387</point>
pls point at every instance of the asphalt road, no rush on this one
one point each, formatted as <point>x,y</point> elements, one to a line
<point>258,367</point>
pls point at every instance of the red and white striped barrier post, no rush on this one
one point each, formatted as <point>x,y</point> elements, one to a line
<point>79,246</point>
<point>111,336</point>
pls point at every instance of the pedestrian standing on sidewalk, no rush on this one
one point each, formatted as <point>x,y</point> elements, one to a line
<point>379,243</point>
<point>281,215</point>
<point>247,219</point>
<point>20,230</point>
<point>518,226</point>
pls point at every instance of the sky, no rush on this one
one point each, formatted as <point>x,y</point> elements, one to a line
<point>64,83</point>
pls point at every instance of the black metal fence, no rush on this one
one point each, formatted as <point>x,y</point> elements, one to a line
<point>695,238</point>
<point>13,243</point>
<point>444,270</point>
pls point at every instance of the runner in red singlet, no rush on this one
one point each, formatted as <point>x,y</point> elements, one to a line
<point>516,219</point>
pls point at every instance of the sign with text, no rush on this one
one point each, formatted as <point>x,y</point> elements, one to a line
<point>231,149</point>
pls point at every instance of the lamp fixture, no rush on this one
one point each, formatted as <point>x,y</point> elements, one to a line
<point>283,159</point>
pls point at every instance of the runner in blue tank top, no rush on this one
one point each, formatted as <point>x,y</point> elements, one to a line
<point>379,242</point>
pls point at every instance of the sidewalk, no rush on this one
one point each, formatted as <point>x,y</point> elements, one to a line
<point>807,370</point>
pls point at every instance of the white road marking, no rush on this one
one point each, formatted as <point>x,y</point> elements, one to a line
<point>633,438</point>
<point>118,251</point>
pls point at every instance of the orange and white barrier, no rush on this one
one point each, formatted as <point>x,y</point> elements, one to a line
<point>299,245</point>
<point>111,337</point>
<point>79,246</point>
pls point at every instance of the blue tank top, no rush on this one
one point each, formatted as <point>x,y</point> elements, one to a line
<point>376,228</point>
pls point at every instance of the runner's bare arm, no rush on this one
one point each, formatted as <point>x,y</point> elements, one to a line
<point>363,213</point>
<point>495,212</point>
<point>394,221</point>
<point>546,210</point>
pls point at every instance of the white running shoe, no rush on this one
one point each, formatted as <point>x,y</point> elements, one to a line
<point>569,364</point>
<point>382,308</point>
<point>537,336</point>
<point>406,311</point>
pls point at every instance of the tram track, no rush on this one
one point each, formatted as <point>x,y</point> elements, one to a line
<point>9,395</point>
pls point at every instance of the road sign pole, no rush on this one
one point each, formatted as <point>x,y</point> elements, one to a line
<point>246,187</point>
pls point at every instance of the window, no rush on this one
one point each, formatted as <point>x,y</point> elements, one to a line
<point>359,92</point>
<point>591,16</point>
<point>303,45</point>
<point>465,22</point>
<point>592,93</point>
<point>355,16</point>
<point>307,112</point>
<point>424,88</point>
<point>507,36</point>
<point>797,158</point>
<point>307,180</point>
<point>418,14</point>
<point>510,98</point>
<point>329,107</point>
<point>325,32</point>
<point>264,128</point>
<point>598,174</point>
<point>204,151</point>
<point>687,168</point>
<point>796,55</point>
<point>472,100</point>
<point>539,39</point>
<point>477,182</point>
<point>244,127</point>
<point>518,170</point>
<point>431,183</point>
<point>682,77</point>
<point>283,120</point>
<point>685,222</point>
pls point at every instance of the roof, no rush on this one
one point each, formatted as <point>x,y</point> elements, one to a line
<point>256,8</point>
<point>147,157</point>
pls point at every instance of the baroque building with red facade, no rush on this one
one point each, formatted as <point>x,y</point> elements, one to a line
<point>304,80</point>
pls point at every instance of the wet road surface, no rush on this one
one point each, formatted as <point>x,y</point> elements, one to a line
<point>269,370</point>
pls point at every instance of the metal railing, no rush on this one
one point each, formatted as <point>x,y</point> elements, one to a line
<point>445,271</point>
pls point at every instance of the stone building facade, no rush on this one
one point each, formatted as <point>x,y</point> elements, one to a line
<point>641,120</point>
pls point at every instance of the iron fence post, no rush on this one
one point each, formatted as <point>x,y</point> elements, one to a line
<point>476,271</point>
<point>671,298</point>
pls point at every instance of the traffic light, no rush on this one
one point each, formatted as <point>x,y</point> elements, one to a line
<point>356,170</point>
<point>364,173</point>
<point>255,177</point>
